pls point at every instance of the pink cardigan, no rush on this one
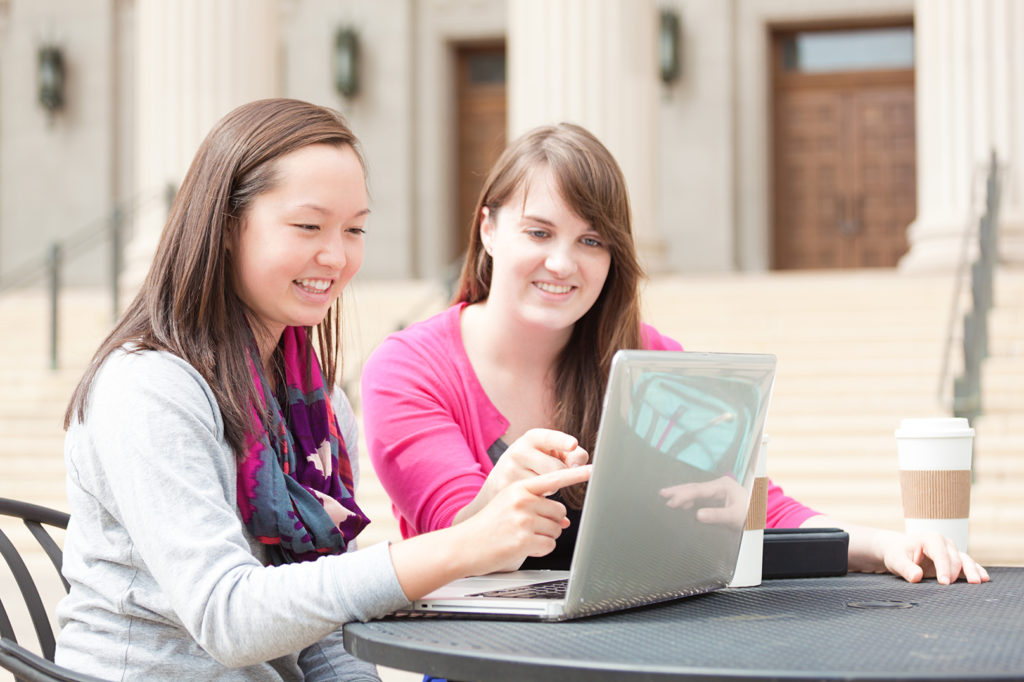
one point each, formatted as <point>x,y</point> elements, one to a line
<point>429,424</point>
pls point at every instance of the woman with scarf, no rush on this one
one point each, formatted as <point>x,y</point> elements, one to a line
<point>210,462</point>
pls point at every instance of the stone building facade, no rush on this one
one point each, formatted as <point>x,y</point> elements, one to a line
<point>749,142</point>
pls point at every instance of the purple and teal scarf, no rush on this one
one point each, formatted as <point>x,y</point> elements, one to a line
<point>295,488</point>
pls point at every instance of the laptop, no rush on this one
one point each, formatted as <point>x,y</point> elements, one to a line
<point>679,431</point>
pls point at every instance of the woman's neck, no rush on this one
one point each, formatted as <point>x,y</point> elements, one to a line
<point>267,344</point>
<point>508,343</point>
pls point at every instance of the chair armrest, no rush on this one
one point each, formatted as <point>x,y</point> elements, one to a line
<point>34,668</point>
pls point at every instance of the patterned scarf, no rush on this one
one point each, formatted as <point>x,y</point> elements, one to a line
<point>295,480</point>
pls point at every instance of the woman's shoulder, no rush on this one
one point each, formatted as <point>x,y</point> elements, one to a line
<point>427,356</point>
<point>139,392</point>
<point>441,325</point>
<point>652,339</point>
<point>130,362</point>
<point>434,336</point>
<point>130,373</point>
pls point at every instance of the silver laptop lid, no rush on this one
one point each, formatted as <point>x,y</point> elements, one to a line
<point>679,432</point>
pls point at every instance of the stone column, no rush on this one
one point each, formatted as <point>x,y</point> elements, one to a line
<point>970,100</point>
<point>594,63</point>
<point>195,60</point>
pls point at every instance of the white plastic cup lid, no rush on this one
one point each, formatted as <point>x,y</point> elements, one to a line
<point>935,427</point>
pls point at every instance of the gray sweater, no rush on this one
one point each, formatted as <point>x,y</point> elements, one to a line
<point>166,582</point>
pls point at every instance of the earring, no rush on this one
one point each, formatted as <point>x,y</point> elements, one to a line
<point>485,215</point>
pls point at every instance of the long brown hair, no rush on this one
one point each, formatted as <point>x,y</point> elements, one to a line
<point>187,304</point>
<point>592,184</point>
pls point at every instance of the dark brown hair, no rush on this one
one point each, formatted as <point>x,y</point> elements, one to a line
<point>591,183</point>
<point>187,304</point>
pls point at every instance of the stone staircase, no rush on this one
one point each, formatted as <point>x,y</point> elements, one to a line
<point>858,351</point>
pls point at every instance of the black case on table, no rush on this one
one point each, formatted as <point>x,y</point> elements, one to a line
<point>804,552</point>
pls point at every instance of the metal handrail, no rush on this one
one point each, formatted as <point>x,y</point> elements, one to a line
<point>76,242</point>
<point>966,398</point>
<point>48,266</point>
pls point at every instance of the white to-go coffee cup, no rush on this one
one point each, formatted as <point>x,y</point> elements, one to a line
<point>748,564</point>
<point>935,475</point>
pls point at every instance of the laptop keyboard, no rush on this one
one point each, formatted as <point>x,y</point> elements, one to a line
<point>553,589</point>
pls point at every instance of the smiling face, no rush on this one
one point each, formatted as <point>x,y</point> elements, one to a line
<point>301,242</point>
<point>549,265</point>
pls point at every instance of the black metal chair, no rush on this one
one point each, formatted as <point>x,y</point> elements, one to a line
<point>24,664</point>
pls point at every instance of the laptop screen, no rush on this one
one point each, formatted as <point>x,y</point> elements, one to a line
<point>674,466</point>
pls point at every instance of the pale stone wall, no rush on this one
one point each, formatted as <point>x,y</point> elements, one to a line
<point>133,120</point>
<point>696,148</point>
<point>195,61</point>
<point>381,113</point>
<point>970,103</point>
<point>60,174</point>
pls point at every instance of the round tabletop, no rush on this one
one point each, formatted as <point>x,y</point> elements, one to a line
<point>857,627</point>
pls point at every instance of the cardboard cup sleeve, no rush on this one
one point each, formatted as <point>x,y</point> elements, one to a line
<point>757,514</point>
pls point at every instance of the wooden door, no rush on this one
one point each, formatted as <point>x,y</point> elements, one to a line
<point>482,115</point>
<point>844,166</point>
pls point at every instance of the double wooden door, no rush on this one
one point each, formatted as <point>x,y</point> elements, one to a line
<point>844,168</point>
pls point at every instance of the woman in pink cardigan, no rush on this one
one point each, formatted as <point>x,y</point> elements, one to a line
<point>488,392</point>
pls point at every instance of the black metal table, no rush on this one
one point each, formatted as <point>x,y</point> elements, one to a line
<point>857,627</point>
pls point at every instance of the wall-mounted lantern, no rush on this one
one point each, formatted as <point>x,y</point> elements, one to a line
<point>346,62</point>
<point>669,46</point>
<point>51,78</point>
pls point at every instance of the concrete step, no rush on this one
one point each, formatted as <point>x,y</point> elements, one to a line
<point>19,415</point>
<point>1006,321</point>
<point>995,453</point>
<point>27,445</point>
<point>1002,376</point>
<point>49,493</point>
<point>1002,398</point>
<point>1008,287</point>
<point>1001,422</point>
<point>828,401</point>
<point>1006,449</point>
<point>50,467</point>
<point>884,489</point>
<point>859,424</point>
<point>866,387</point>
<point>30,428</point>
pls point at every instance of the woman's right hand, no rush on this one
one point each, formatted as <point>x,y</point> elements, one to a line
<point>512,514</point>
<point>536,452</point>
<point>520,521</point>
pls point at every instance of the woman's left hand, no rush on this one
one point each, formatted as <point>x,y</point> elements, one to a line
<point>930,555</point>
<point>912,557</point>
